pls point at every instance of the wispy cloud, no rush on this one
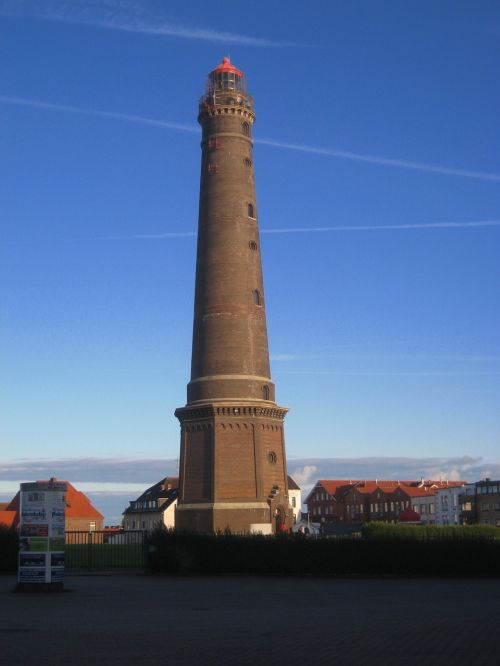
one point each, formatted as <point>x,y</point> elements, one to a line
<point>125,16</point>
<point>473,358</point>
<point>376,159</point>
<point>383,227</point>
<point>126,117</point>
<point>303,230</point>
<point>388,373</point>
<point>328,152</point>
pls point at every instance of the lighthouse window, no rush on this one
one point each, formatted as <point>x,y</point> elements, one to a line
<point>272,457</point>
<point>247,162</point>
<point>265,392</point>
<point>212,167</point>
<point>256,297</point>
<point>245,128</point>
<point>252,245</point>
<point>251,212</point>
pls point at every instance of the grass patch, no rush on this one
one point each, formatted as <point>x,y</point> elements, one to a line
<point>105,556</point>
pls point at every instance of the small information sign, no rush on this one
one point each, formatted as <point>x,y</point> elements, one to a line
<point>41,534</point>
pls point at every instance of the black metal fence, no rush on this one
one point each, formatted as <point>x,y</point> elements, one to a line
<point>103,551</point>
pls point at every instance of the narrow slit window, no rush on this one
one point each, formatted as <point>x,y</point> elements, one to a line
<point>247,162</point>
<point>251,211</point>
<point>265,392</point>
<point>256,297</point>
<point>253,245</point>
<point>245,128</point>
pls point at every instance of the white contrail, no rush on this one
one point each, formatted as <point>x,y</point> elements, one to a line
<point>383,227</point>
<point>167,234</point>
<point>328,152</point>
<point>471,358</point>
<point>375,159</point>
<point>300,230</point>
<point>126,17</point>
<point>129,118</point>
<point>383,373</point>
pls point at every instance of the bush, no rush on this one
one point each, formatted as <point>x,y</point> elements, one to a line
<point>180,553</point>
<point>388,531</point>
<point>9,545</point>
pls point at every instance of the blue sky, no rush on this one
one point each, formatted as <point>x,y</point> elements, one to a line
<point>378,182</point>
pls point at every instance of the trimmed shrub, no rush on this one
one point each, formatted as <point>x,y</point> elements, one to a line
<point>388,531</point>
<point>180,553</point>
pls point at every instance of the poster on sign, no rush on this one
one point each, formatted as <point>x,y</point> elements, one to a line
<point>41,531</point>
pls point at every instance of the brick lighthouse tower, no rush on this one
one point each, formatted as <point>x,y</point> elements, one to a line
<point>232,461</point>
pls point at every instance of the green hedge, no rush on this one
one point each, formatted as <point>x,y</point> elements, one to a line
<point>388,531</point>
<point>178,553</point>
<point>9,544</point>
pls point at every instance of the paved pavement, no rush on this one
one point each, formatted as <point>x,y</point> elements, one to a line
<point>133,619</point>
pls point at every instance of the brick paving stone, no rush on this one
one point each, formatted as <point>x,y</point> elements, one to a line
<point>132,619</point>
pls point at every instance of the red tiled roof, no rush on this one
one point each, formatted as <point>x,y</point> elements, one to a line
<point>7,518</point>
<point>78,505</point>
<point>418,488</point>
<point>331,485</point>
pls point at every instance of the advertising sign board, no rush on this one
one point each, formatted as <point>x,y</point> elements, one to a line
<point>41,533</point>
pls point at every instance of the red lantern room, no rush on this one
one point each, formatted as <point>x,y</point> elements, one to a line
<point>226,77</point>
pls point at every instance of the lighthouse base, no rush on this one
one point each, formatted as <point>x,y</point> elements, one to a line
<point>232,469</point>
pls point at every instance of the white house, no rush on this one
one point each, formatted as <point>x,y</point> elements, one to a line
<point>295,496</point>
<point>154,508</point>
<point>448,509</point>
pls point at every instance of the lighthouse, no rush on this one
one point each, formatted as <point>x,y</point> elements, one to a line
<point>232,465</point>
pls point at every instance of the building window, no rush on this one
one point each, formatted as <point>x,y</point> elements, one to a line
<point>212,167</point>
<point>213,144</point>
<point>92,527</point>
<point>272,457</point>
<point>247,162</point>
<point>245,128</point>
<point>265,392</point>
<point>252,245</point>
<point>256,297</point>
<point>251,211</point>
<point>294,502</point>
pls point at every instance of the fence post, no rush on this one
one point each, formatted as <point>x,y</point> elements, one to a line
<point>89,550</point>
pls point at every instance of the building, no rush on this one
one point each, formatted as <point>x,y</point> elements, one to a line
<point>7,516</point>
<point>468,505</point>
<point>357,502</point>
<point>480,503</point>
<point>80,514</point>
<point>154,508</point>
<point>295,499</point>
<point>232,452</point>
<point>448,510</point>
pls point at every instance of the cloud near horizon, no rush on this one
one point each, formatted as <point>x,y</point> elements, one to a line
<point>108,475</point>
<point>110,483</point>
